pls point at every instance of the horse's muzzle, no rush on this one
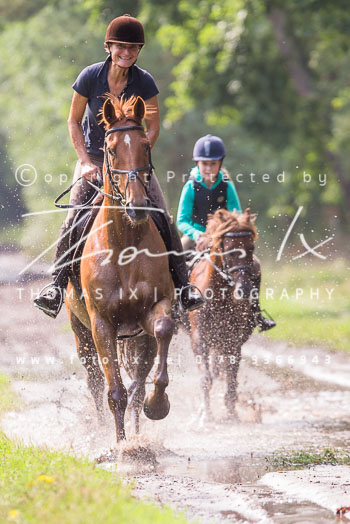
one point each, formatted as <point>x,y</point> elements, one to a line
<point>242,290</point>
<point>137,213</point>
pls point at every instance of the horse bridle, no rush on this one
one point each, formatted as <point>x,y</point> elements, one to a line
<point>118,195</point>
<point>132,174</point>
<point>226,272</point>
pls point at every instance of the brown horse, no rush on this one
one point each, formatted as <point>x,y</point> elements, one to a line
<point>219,329</point>
<point>124,299</point>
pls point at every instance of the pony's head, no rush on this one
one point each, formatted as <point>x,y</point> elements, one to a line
<point>232,236</point>
<point>127,154</point>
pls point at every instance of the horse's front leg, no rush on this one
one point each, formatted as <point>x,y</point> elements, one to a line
<point>231,379</point>
<point>161,325</point>
<point>201,352</point>
<point>104,335</point>
<point>88,356</point>
<point>142,351</point>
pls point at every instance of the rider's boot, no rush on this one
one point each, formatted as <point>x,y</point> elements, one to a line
<point>258,319</point>
<point>191,297</point>
<point>51,297</point>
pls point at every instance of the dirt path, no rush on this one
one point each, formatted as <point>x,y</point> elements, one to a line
<point>213,472</point>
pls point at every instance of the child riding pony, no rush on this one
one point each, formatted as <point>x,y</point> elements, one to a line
<point>208,189</point>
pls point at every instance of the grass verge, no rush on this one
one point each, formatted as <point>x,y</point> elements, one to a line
<point>8,399</point>
<point>305,312</point>
<point>305,459</point>
<point>41,486</point>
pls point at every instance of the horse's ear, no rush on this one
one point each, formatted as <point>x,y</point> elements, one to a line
<point>250,217</point>
<point>108,112</point>
<point>247,214</point>
<point>220,213</point>
<point>139,109</point>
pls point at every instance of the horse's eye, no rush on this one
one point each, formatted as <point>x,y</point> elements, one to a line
<point>112,153</point>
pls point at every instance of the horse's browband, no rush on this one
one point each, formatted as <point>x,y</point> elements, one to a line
<point>122,128</point>
<point>239,234</point>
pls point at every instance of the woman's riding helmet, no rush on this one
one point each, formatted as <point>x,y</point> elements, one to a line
<point>125,29</point>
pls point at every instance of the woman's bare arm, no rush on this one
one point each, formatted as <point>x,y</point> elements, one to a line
<point>75,118</point>
<point>152,120</point>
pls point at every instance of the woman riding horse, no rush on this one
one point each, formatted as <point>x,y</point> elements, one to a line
<point>208,189</point>
<point>119,76</point>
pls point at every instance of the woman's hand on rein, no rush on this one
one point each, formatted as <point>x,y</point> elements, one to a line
<point>90,172</point>
<point>202,243</point>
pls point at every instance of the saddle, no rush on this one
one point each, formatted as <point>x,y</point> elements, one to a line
<point>81,227</point>
<point>80,230</point>
<point>192,260</point>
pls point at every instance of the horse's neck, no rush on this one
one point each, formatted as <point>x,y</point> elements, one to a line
<point>215,259</point>
<point>121,229</point>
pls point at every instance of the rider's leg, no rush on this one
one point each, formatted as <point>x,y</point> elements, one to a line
<point>189,297</point>
<point>259,320</point>
<point>51,298</point>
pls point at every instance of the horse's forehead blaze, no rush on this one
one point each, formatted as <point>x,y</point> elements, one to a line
<point>127,140</point>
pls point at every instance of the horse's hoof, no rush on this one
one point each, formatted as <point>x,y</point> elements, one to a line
<point>156,409</point>
<point>111,456</point>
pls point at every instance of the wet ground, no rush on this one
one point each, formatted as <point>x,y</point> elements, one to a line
<point>289,399</point>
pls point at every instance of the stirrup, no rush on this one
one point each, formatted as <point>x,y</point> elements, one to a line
<point>50,312</point>
<point>267,314</point>
<point>200,296</point>
<point>267,319</point>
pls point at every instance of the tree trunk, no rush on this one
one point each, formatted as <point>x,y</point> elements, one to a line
<point>290,50</point>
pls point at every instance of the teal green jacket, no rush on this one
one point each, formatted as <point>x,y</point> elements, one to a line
<point>184,213</point>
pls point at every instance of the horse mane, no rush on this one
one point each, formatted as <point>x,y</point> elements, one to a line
<point>223,221</point>
<point>123,108</point>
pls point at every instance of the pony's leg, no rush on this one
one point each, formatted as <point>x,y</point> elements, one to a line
<point>88,357</point>
<point>231,380</point>
<point>201,352</point>
<point>143,354</point>
<point>160,323</point>
<point>104,335</point>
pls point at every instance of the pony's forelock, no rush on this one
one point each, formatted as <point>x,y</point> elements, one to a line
<point>223,221</point>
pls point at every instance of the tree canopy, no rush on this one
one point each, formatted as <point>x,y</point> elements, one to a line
<point>269,77</point>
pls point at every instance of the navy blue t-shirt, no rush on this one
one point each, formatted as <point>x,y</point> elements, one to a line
<point>92,84</point>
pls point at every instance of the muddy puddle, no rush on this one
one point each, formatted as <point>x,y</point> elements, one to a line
<point>214,472</point>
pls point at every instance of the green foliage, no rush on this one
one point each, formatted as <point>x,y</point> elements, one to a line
<point>19,10</point>
<point>309,458</point>
<point>40,59</point>
<point>8,398</point>
<point>232,69</point>
<point>312,320</point>
<point>221,69</point>
<point>41,486</point>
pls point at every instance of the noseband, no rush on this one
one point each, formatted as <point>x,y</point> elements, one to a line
<point>226,272</point>
<point>239,267</point>
<point>132,174</point>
